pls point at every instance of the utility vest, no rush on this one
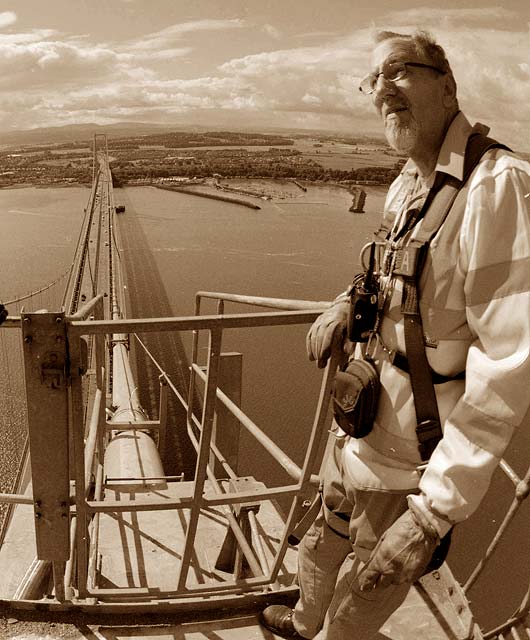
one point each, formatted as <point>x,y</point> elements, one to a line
<point>447,336</point>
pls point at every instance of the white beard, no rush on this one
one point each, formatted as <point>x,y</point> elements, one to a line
<point>402,138</point>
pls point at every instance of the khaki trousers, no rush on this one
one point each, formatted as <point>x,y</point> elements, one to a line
<point>333,551</point>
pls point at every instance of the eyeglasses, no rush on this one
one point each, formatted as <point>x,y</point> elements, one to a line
<point>391,71</point>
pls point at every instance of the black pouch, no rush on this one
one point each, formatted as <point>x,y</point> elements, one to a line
<point>355,395</point>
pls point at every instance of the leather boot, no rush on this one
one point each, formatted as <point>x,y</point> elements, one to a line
<point>279,619</point>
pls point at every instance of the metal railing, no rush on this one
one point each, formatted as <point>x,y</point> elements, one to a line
<point>203,497</point>
<point>77,573</point>
<point>73,556</point>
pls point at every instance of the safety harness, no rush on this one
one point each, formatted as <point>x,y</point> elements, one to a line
<point>409,266</point>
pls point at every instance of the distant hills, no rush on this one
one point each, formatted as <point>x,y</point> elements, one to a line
<point>86,131</point>
<point>80,132</point>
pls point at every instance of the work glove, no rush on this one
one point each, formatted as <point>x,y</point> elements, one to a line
<point>402,553</point>
<point>323,330</point>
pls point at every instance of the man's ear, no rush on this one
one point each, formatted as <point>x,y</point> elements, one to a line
<point>449,91</point>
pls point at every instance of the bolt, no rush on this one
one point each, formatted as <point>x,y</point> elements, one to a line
<point>28,339</point>
<point>38,516</point>
<point>27,320</point>
<point>58,320</point>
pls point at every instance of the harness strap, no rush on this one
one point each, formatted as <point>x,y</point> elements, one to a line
<point>435,210</point>
<point>400,361</point>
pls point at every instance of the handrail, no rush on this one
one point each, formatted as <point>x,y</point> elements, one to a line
<point>84,311</point>
<point>214,325</point>
<point>522,490</point>
<point>276,452</point>
<point>262,301</point>
<point>192,323</point>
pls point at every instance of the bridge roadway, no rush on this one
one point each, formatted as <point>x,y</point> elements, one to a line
<point>113,258</point>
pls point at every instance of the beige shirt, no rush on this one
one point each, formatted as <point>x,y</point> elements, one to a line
<point>476,317</point>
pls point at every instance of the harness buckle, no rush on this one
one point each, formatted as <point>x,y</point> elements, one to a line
<point>428,434</point>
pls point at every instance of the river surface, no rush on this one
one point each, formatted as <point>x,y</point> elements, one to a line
<point>298,245</point>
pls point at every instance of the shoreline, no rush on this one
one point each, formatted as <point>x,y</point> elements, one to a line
<point>298,183</point>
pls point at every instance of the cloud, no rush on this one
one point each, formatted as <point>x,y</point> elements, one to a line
<point>272,31</point>
<point>52,78</point>
<point>7,18</point>
<point>29,63</point>
<point>447,18</point>
<point>175,33</point>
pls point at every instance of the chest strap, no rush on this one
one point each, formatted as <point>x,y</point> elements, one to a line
<point>435,210</point>
<point>400,361</point>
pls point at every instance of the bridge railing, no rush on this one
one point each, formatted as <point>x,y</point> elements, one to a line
<point>303,312</point>
<point>84,453</point>
<point>303,482</point>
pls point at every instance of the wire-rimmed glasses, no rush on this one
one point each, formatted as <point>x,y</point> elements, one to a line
<point>391,71</point>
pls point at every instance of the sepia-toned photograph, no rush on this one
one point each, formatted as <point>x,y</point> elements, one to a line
<point>264,320</point>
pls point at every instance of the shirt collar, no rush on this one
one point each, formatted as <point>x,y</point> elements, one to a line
<point>452,152</point>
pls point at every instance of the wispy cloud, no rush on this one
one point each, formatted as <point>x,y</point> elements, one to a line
<point>459,18</point>
<point>177,32</point>
<point>7,18</point>
<point>272,31</point>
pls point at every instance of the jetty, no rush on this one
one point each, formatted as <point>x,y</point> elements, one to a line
<point>212,196</point>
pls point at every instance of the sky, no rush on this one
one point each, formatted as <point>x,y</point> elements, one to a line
<point>248,64</point>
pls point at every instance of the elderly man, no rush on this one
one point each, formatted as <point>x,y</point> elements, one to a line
<point>458,240</point>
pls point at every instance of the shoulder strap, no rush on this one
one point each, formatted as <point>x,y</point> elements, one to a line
<point>442,195</point>
<point>438,204</point>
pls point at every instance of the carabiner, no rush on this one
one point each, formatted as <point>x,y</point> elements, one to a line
<point>371,345</point>
<point>364,256</point>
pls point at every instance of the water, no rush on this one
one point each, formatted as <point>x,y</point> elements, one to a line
<point>37,244</point>
<point>304,245</point>
<point>40,228</point>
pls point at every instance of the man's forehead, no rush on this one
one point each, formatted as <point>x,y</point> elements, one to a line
<point>398,48</point>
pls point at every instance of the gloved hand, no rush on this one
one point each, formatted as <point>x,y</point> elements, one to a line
<point>320,336</point>
<point>402,553</point>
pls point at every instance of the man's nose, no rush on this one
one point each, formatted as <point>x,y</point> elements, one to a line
<point>383,88</point>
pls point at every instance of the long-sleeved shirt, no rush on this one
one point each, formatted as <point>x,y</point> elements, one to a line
<point>475,307</point>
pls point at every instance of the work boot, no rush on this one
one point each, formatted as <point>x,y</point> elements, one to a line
<point>279,619</point>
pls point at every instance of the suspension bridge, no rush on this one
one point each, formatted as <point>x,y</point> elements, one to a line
<point>117,515</point>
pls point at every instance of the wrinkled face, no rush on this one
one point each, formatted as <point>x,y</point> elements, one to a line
<point>415,108</point>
